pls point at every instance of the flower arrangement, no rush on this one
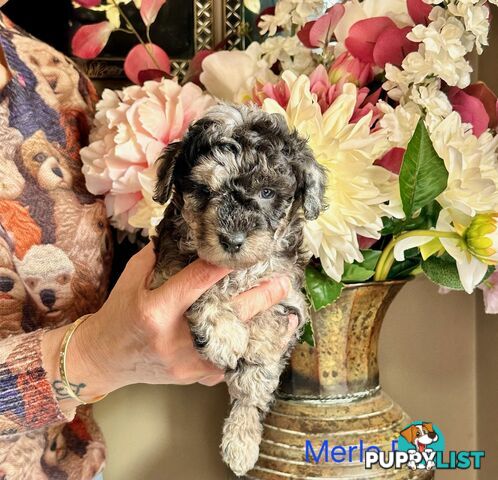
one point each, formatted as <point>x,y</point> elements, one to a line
<point>143,62</point>
<point>382,89</point>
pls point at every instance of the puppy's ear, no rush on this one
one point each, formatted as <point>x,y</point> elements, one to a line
<point>166,172</point>
<point>409,433</point>
<point>310,176</point>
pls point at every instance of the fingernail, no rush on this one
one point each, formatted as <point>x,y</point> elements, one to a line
<point>293,322</point>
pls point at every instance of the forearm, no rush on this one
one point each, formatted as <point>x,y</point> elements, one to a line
<point>85,365</point>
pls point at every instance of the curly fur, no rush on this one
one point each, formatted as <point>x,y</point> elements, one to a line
<point>218,178</point>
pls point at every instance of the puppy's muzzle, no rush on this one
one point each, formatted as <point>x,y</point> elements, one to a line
<point>233,242</point>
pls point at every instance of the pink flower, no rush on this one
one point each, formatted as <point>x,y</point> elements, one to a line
<point>488,98</point>
<point>195,66</point>
<point>149,10</point>
<point>318,33</point>
<point>490,292</point>
<point>419,11</point>
<point>379,41</point>
<point>140,59</point>
<point>88,3</point>
<point>470,108</point>
<point>131,128</point>
<point>348,69</point>
<point>90,40</point>
<point>277,91</point>
<point>392,160</point>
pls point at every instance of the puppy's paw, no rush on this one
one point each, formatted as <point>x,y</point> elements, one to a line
<point>223,342</point>
<point>241,438</point>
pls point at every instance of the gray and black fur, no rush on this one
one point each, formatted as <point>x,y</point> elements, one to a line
<point>240,185</point>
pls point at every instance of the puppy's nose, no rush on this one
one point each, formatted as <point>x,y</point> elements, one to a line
<point>6,284</point>
<point>232,243</point>
<point>47,297</point>
<point>432,435</point>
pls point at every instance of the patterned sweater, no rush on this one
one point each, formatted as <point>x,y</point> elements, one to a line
<point>54,255</point>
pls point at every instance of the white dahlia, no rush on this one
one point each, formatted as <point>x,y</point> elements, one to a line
<point>358,193</point>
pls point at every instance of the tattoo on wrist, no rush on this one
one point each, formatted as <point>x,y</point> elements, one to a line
<point>61,391</point>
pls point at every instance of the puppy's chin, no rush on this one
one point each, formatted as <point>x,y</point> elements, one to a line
<point>235,261</point>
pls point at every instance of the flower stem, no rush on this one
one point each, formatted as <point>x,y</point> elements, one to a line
<point>134,31</point>
<point>386,260</point>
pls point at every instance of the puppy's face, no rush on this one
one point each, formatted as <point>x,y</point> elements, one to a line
<point>241,177</point>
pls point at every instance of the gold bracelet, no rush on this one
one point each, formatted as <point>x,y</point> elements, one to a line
<point>62,361</point>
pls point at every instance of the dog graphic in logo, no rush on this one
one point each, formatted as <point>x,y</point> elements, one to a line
<point>421,436</point>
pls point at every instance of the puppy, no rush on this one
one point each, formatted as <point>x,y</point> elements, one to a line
<point>241,183</point>
<point>421,436</point>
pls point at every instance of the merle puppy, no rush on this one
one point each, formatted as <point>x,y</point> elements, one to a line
<point>240,185</point>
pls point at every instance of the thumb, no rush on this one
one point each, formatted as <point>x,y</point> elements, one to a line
<point>189,284</point>
<point>141,264</point>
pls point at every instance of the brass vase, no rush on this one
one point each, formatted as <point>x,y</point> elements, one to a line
<point>331,392</point>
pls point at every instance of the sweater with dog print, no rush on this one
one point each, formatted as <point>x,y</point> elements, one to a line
<point>54,255</point>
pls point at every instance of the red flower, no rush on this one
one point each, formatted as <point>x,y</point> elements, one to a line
<point>392,160</point>
<point>88,3</point>
<point>419,11</point>
<point>149,10</point>
<point>470,108</point>
<point>90,40</point>
<point>139,59</point>
<point>488,98</point>
<point>319,32</point>
<point>379,41</point>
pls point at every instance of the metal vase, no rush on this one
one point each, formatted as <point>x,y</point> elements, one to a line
<point>332,392</point>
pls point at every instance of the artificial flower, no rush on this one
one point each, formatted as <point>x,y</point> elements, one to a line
<point>359,193</point>
<point>131,129</point>
<point>231,75</point>
<point>450,231</point>
<point>90,40</point>
<point>142,58</point>
<point>470,108</point>
<point>149,10</point>
<point>348,69</point>
<point>490,293</point>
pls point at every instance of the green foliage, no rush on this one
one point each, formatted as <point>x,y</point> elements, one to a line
<point>443,271</point>
<point>320,288</point>
<point>404,269</point>
<point>425,220</point>
<point>361,272</point>
<point>308,335</point>
<point>423,175</point>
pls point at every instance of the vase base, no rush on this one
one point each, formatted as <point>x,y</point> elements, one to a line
<point>355,426</point>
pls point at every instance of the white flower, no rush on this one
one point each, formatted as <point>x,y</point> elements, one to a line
<point>359,193</point>
<point>471,164</point>
<point>290,52</point>
<point>231,75</point>
<point>289,13</point>
<point>475,16</point>
<point>399,123</point>
<point>471,270</point>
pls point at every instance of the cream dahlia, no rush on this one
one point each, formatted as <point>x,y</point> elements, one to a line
<point>359,192</point>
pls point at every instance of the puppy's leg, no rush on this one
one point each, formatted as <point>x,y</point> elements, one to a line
<point>218,333</point>
<point>251,387</point>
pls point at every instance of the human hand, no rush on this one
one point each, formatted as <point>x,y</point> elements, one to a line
<point>142,336</point>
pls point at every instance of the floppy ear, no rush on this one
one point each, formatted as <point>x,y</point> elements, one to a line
<point>409,433</point>
<point>428,426</point>
<point>165,172</point>
<point>310,176</point>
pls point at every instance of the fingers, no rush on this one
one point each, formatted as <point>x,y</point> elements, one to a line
<point>142,263</point>
<point>189,284</point>
<point>212,380</point>
<point>261,298</point>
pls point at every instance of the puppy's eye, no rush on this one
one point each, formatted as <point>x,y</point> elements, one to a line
<point>267,193</point>
<point>204,190</point>
<point>40,157</point>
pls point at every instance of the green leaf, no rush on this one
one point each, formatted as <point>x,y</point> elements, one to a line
<point>425,220</point>
<point>423,175</point>
<point>403,269</point>
<point>308,335</point>
<point>321,289</point>
<point>361,272</point>
<point>443,271</point>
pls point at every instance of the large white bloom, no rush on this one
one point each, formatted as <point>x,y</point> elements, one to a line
<point>231,74</point>
<point>358,191</point>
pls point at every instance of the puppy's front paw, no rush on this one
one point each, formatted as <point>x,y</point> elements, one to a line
<point>222,342</point>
